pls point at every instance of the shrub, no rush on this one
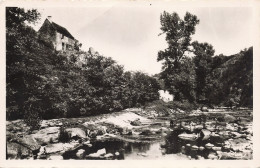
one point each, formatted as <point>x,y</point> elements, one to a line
<point>64,135</point>
<point>32,113</point>
<point>183,105</point>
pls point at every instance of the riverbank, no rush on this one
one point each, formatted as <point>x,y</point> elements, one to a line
<point>136,134</point>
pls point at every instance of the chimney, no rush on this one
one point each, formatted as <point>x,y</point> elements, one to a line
<point>49,18</point>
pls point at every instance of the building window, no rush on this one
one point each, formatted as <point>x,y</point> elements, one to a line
<point>62,36</point>
<point>63,46</point>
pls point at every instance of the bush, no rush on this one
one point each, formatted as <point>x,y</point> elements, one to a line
<point>183,105</point>
<point>32,113</point>
<point>64,135</point>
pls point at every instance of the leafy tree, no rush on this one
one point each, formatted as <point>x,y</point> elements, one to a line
<point>203,60</point>
<point>178,36</point>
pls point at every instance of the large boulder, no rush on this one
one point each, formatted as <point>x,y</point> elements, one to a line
<point>29,142</point>
<point>205,134</point>
<point>17,151</point>
<point>229,118</point>
<point>61,147</point>
<point>47,135</point>
<point>76,133</point>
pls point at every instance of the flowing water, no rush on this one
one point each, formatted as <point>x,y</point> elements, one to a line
<point>161,147</point>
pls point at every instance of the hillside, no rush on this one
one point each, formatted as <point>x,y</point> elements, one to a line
<point>42,83</point>
<point>233,79</point>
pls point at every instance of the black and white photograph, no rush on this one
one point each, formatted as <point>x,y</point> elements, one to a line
<point>129,81</point>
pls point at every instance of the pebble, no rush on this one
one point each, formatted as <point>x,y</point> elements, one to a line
<point>209,145</point>
<point>216,148</point>
<point>201,148</point>
<point>194,147</point>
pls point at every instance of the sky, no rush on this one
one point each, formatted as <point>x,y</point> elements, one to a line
<point>130,34</point>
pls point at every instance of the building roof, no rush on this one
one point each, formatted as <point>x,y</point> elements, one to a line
<point>62,30</point>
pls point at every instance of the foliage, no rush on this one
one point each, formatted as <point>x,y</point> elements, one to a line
<point>203,58</point>
<point>51,84</point>
<point>204,78</point>
<point>32,113</point>
<point>178,36</point>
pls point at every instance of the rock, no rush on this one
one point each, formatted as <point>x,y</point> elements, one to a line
<point>211,128</point>
<point>109,155</point>
<point>136,122</point>
<point>201,148</point>
<point>205,134</point>
<point>61,147</point>
<point>92,134</point>
<point>55,157</point>
<point>236,135</point>
<point>198,127</point>
<point>42,151</point>
<point>188,145</point>
<point>17,151</point>
<point>200,157</point>
<point>216,148</point>
<point>209,145</point>
<point>189,137</point>
<point>77,133</point>
<point>204,109</point>
<point>183,150</point>
<point>47,135</point>
<point>229,118</point>
<point>99,153</point>
<point>231,155</point>
<point>212,156</point>
<point>194,147</point>
<point>213,134</point>
<point>54,148</point>
<point>29,142</point>
<point>227,145</point>
<point>80,153</point>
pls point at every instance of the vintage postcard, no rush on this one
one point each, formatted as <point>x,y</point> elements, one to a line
<point>150,83</point>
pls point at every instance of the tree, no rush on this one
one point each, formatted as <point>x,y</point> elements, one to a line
<point>20,38</point>
<point>203,59</point>
<point>178,36</point>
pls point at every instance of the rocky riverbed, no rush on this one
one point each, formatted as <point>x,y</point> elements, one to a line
<point>136,134</point>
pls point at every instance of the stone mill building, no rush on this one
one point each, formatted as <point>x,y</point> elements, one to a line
<point>58,35</point>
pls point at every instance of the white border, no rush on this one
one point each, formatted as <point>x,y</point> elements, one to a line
<point>144,163</point>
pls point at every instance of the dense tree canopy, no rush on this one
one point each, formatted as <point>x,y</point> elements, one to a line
<point>44,83</point>
<point>203,64</point>
<point>178,36</point>
<point>203,78</point>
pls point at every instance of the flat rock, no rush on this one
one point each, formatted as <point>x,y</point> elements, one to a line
<point>47,135</point>
<point>76,132</point>
<point>17,151</point>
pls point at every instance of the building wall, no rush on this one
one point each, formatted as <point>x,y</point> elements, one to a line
<point>48,33</point>
<point>63,42</point>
